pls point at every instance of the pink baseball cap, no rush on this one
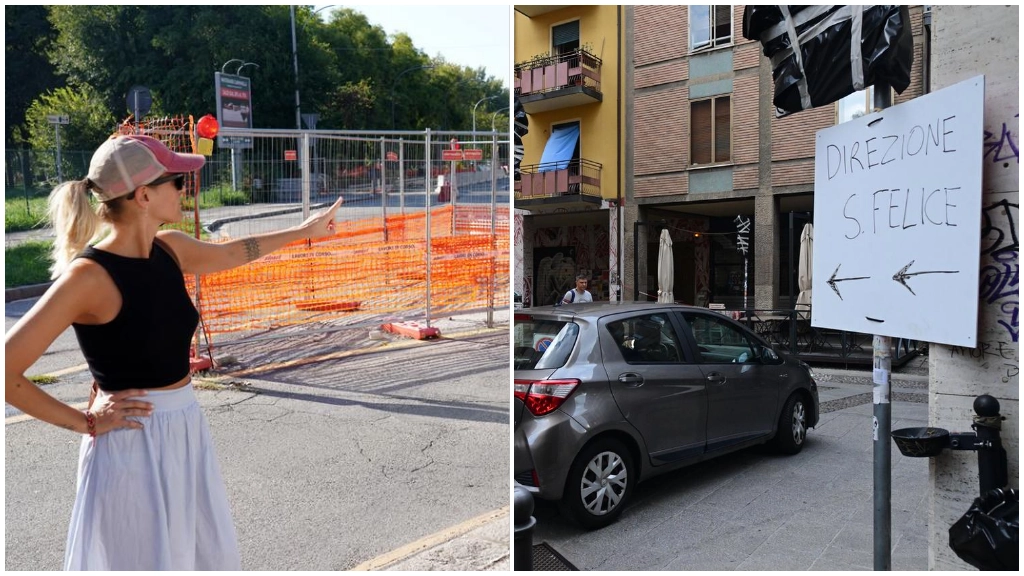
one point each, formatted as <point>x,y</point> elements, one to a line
<point>123,163</point>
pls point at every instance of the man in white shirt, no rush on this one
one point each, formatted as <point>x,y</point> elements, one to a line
<point>580,294</point>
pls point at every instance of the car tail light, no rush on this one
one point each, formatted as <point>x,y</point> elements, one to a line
<point>544,396</point>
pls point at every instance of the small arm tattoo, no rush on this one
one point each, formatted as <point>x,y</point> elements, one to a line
<point>252,249</point>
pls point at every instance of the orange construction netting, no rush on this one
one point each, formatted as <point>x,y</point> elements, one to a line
<point>371,268</point>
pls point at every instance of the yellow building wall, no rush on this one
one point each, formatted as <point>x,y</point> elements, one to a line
<point>598,130</point>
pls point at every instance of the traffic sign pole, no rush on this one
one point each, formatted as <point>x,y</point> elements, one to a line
<point>56,133</point>
<point>57,120</point>
<point>882,362</point>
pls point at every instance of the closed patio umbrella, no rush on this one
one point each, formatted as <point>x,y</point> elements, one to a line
<point>666,272</point>
<point>803,299</point>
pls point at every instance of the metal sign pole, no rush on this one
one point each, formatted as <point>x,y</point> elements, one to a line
<point>60,172</point>
<point>383,189</point>
<point>882,425</point>
<point>401,176</point>
<point>491,280</point>
<point>304,160</point>
<point>426,188</point>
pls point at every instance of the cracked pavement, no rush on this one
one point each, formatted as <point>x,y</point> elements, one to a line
<point>327,464</point>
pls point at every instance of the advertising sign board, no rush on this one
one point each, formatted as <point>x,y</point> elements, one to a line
<point>234,108</point>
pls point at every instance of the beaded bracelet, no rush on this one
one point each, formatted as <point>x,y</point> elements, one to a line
<point>90,423</point>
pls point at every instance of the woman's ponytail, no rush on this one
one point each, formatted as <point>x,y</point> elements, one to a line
<point>74,221</point>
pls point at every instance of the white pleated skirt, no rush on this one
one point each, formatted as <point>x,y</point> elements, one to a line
<point>153,499</point>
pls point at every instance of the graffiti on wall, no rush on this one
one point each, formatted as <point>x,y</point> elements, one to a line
<point>613,254</point>
<point>1002,148</point>
<point>589,246</point>
<point>1002,353</point>
<point>998,285</point>
<point>555,275</point>
<point>519,266</point>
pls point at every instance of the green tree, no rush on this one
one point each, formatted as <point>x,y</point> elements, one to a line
<point>28,72</point>
<point>90,124</point>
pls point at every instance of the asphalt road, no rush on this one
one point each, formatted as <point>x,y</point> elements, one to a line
<point>327,464</point>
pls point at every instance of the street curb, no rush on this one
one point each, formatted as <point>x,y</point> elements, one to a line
<point>217,223</point>
<point>893,377</point>
<point>25,292</point>
<point>430,542</point>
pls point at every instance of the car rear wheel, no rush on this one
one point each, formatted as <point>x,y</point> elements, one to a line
<point>792,432</point>
<point>599,484</point>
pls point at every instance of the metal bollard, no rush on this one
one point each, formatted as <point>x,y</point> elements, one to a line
<point>985,440</point>
<point>522,514</point>
<point>991,454</point>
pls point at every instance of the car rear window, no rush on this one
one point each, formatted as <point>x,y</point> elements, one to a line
<point>542,343</point>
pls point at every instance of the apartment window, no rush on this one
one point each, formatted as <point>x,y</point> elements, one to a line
<point>710,131</point>
<point>854,105</point>
<point>857,104</point>
<point>710,26</point>
<point>565,38</point>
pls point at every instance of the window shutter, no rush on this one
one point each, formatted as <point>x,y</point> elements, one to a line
<point>700,132</point>
<point>723,129</point>
<point>723,24</point>
<point>565,33</point>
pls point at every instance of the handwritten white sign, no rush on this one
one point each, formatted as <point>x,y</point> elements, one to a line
<point>897,219</point>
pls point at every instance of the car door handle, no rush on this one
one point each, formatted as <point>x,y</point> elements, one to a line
<point>631,379</point>
<point>716,378</point>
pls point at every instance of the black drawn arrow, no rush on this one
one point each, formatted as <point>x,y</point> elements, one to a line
<point>902,275</point>
<point>833,280</point>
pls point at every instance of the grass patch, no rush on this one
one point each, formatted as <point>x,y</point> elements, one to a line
<point>27,263</point>
<point>19,216</point>
<point>217,196</point>
<point>44,379</point>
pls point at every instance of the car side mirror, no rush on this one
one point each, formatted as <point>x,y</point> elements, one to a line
<point>768,356</point>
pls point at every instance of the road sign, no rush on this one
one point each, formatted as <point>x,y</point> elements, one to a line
<point>291,155</point>
<point>897,196</point>
<point>473,154</point>
<point>139,101</point>
<point>451,155</point>
<point>391,156</point>
<point>58,119</point>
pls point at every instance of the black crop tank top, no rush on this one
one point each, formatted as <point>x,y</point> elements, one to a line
<point>147,344</point>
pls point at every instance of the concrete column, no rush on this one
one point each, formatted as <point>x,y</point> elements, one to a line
<point>968,41</point>
<point>766,243</point>
<point>765,275</point>
<point>630,212</point>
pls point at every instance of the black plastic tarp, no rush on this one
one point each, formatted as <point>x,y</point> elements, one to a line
<point>827,65</point>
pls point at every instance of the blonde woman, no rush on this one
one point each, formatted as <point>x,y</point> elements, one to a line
<point>149,492</point>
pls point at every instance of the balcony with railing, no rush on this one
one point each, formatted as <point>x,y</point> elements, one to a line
<point>555,82</point>
<point>559,184</point>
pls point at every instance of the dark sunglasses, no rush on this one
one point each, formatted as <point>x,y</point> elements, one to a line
<point>178,179</point>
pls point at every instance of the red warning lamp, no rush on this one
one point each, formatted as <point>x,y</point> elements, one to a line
<point>207,127</point>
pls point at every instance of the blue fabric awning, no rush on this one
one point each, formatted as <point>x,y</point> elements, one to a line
<point>558,151</point>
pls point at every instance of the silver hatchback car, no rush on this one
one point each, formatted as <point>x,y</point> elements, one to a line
<point>609,394</point>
